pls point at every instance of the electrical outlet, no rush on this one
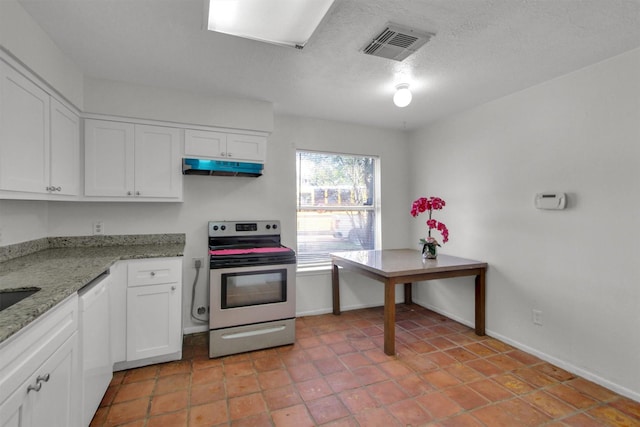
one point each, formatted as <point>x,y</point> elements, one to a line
<point>536,317</point>
<point>198,262</point>
<point>98,227</point>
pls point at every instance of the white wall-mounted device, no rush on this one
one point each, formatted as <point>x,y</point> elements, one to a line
<point>551,200</point>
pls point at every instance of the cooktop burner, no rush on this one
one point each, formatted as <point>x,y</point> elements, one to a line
<point>247,243</point>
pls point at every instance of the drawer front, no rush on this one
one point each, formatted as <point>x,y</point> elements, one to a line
<point>154,271</point>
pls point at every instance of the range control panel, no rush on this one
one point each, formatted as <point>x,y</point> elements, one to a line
<point>243,228</point>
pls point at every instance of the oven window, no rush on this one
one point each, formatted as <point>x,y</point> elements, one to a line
<point>254,288</point>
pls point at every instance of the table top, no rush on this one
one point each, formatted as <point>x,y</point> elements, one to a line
<point>402,262</point>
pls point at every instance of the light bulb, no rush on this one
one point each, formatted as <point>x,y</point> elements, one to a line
<point>402,97</point>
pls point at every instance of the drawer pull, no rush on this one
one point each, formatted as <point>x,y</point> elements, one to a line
<point>44,378</point>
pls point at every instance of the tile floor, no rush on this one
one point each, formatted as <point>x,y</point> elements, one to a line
<point>336,374</point>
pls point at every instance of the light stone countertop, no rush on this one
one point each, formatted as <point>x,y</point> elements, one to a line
<point>65,265</point>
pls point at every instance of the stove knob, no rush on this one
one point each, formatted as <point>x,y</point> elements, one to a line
<point>275,226</point>
<point>268,226</point>
<point>223,227</point>
<point>215,228</point>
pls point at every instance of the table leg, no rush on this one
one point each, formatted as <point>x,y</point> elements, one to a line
<point>389,318</point>
<point>480,302</point>
<point>408,299</point>
<point>335,288</point>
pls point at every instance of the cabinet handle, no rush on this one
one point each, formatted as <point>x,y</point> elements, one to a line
<point>36,387</point>
<point>128,193</point>
<point>229,155</point>
<point>137,193</point>
<point>153,273</point>
<point>49,188</point>
<point>223,154</point>
<point>39,380</point>
<point>58,189</point>
<point>173,288</point>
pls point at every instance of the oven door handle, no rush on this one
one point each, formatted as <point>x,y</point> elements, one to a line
<point>236,335</point>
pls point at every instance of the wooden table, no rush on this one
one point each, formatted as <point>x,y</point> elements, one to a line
<point>404,266</point>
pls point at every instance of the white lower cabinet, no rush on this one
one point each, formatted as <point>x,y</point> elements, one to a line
<point>153,308</point>
<point>153,321</point>
<point>39,377</point>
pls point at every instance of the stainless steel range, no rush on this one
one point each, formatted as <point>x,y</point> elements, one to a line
<point>252,287</point>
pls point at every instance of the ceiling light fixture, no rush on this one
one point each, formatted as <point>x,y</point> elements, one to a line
<point>403,96</point>
<point>282,22</point>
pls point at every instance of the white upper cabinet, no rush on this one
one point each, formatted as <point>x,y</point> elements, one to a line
<point>24,133</point>
<point>204,143</point>
<point>246,147</point>
<point>132,161</point>
<point>39,140</point>
<point>157,162</point>
<point>65,150</point>
<point>108,154</point>
<point>225,146</point>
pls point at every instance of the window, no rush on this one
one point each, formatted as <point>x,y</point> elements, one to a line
<point>337,204</point>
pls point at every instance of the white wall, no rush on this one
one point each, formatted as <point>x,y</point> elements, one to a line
<point>147,102</point>
<point>22,220</point>
<point>23,38</point>
<point>577,134</point>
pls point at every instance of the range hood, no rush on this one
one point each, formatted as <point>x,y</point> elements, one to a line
<point>220,168</point>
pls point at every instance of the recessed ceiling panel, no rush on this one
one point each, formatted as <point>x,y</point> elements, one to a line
<point>283,22</point>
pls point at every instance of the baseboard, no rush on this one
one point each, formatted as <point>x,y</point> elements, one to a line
<point>544,356</point>
<point>195,329</point>
<point>121,366</point>
<point>342,308</point>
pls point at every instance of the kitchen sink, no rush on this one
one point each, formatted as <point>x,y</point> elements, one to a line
<point>8,298</point>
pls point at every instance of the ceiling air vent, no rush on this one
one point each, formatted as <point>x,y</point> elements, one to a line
<point>397,42</point>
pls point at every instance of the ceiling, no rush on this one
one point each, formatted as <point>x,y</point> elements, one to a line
<point>482,50</point>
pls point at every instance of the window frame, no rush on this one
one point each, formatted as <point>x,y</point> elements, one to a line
<point>375,207</point>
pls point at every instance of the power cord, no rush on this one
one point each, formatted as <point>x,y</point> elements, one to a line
<point>198,265</point>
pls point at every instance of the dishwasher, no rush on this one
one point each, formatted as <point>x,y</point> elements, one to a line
<point>95,342</point>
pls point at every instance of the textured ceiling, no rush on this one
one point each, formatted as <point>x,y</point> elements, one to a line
<point>483,50</point>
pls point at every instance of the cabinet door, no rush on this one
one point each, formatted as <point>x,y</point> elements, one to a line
<point>109,162</point>
<point>157,161</point>
<point>24,133</point>
<point>246,147</point>
<point>65,150</point>
<point>153,320</point>
<point>14,411</point>
<point>56,403</point>
<point>49,397</point>
<point>199,143</point>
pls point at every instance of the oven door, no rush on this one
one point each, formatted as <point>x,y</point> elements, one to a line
<point>246,295</point>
